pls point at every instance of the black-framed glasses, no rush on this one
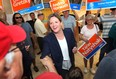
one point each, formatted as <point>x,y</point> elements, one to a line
<point>18,17</point>
<point>13,49</point>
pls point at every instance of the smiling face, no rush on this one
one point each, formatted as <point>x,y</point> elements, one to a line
<point>18,18</point>
<point>55,24</point>
<point>89,21</point>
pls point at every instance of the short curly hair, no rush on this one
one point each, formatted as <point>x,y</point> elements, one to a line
<point>90,16</point>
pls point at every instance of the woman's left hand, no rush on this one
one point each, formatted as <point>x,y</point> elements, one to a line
<point>74,49</point>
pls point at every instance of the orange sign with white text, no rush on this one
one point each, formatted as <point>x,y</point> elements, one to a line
<point>20,4</point>
<point>59,5</point>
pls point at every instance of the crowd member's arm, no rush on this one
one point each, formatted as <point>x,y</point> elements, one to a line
<point>76,28</point>
<point>48,63</point>
<point>96,16</point>
<point>45,57</point>
<point>75,32</point>
<point>76,15</point>
<point>98,30</point>
<point>83,38</point>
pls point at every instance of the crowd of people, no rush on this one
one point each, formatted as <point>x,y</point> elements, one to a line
<point>57,45</point>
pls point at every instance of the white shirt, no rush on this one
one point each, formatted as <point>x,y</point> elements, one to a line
<point>39,28</point>
<point>66,64</point>
<point>89,32</point>
<point>64,49</point>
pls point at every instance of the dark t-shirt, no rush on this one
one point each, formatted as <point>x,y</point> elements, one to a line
<point>31,22</point>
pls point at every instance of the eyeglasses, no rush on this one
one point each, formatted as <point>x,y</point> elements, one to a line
<point>13,49</point>
<point>18,17</point>
<point>89,19</point>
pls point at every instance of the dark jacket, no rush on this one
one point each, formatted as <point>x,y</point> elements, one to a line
<point>107,67</point>
<point>112,34</point>
<point>52,48</point>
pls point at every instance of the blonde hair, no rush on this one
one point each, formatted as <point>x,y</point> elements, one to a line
<point>90,16</point>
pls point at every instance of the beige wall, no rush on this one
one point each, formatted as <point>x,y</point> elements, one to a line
<point>7,6</point>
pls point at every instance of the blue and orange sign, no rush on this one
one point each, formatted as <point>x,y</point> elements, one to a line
<point>97,4</point>
<point>87,50</point>
<point>26,6</point>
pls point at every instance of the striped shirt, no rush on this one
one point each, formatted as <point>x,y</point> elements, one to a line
<point>107,21</point>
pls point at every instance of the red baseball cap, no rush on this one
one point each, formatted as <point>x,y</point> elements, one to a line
<point>9,34</point>
<point>49,75</point>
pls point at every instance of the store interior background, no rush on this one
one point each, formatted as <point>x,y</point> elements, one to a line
<point>47,11</point>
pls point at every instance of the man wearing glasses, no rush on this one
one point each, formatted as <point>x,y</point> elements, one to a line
<point>10,55</point>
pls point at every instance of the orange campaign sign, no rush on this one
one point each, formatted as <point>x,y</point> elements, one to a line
<point>87,50</point>
<point>59,5</point>
<point>1,4</point>
<point>20,4</point>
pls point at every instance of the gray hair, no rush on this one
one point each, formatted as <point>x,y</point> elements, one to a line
<point>90,16</point>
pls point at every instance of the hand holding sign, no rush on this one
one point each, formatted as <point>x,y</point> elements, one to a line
<point>87,50</point>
